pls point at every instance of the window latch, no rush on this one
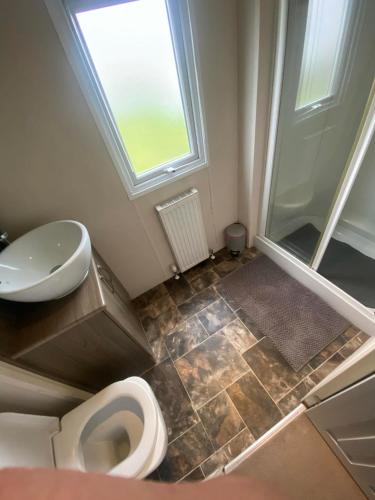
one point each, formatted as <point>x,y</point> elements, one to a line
<point>170,170</point>
<point>316,106</point>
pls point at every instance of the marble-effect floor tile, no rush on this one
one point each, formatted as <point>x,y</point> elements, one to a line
<point>199,269</point>
<point>172,397</point>
<point>150,297</point>
<point>189,334</point>
<point>221,420</point>
<point>230,451</point>
<point>238,335</point>
<point>210,368</point>
<point>207,392</point>
<point>157,329</point>
<point>239,443</point>
<point>155,308</point>
<point>215,316</point>
<point>195,475</point>
<point>272,370</point>
<point>180,290</point>
<point>205,280</point>
<point>352,345</point>
<point>326,368</point>
<point>185,454</point>
<point>248,322</point>
<point>226,267</point>
<point>326,353</point>
<point>216,461</point>
<point>197,303</point>
<point>254,405</point>
<point>291,400</point>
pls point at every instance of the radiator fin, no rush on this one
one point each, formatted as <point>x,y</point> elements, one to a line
<point>182,221</point>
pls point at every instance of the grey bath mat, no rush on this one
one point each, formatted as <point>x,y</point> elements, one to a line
<point>298,322</point>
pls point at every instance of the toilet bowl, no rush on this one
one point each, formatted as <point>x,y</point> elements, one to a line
<point>119,431</point>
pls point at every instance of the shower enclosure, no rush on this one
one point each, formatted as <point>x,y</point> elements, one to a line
<point>318,216</point>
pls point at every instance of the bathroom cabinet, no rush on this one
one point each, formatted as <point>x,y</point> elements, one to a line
<point>88,339</point>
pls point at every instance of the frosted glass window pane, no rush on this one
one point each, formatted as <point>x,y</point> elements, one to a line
<point>322,50</point>
<point>131,47</point>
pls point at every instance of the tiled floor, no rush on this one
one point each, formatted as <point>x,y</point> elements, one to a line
<point>219,382</point>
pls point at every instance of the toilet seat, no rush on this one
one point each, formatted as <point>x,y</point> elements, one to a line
<point>67,443</point>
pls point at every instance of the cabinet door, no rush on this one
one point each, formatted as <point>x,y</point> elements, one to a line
<point>91,355</point>
<point>118,304</point>
<point>347,422</point>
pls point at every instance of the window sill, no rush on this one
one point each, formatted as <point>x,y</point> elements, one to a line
<point>136,191</point>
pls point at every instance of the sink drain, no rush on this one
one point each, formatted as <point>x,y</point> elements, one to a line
<point>55,268</point>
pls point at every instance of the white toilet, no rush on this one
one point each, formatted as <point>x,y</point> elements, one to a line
<point>119,431</point>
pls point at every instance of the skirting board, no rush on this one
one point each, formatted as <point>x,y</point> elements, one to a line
<point>344,304</point>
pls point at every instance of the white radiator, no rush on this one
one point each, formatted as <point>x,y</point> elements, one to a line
<point>182,220</point>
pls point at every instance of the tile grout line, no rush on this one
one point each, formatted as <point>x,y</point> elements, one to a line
<point>313,370</point>
<point>206,307</point>
<point>240,416</point>
<point>211,334</point>
<point>235,409</point>
<point>185,389</point>
<point>184,432</point>
<point>204,460</point>
<point>295,386</point>
<point>186,475</point>
<point>347,342</point>
<point>223,390</point>
<point>208,286</point>
<point>225,302</point>
<point>325,361</point>
<point>261,383</point>
<point>222,449</point>
<point>205,329</point>
<point>248,329</point>
<point>195,409</point>
<point>291,388</point>
<point>245,428</point>
<point>197,345</point>
<point>211,286</point>
<point>210,441</point>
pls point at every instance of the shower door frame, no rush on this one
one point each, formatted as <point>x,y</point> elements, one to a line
<point>344,303</point>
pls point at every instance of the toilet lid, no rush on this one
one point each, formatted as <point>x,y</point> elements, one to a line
<point>67,443</point>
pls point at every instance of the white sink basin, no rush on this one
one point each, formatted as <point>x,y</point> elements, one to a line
<point>46,263</point>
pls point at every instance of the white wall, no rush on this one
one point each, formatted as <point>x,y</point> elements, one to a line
<point>53,160</point>
<point>256,43</point>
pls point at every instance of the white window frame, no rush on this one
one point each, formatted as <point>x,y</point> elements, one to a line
<point>62,14</point>
<point>338,85</point>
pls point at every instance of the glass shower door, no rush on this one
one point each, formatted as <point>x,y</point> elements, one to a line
<point>328,73</point>
<point>349,260</point>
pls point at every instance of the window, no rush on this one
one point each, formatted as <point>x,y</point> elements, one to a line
<point>323,52</point>
<point>139,60</point>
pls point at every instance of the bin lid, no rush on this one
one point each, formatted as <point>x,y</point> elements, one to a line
<point>236,230</point>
